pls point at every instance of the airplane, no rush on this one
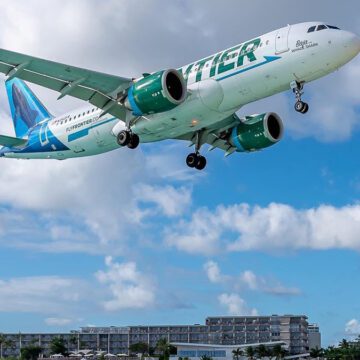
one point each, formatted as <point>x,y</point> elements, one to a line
<point>197,102</point>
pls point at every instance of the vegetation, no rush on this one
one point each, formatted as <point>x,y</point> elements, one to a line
<point>58,346</point>
<point>31,352</point>
<point>139,348</point>
<point>237,353</point>
<point>4,343</point>
<point>165,349</point>
<point>345,350</point>
<point>250,353</point>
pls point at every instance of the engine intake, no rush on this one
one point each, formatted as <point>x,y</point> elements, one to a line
<point>256,132</point>
<point>156,93</point>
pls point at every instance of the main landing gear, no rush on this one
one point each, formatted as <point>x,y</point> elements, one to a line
<point>300,106</point>
<point>128,138</point>
<point>196,160</point>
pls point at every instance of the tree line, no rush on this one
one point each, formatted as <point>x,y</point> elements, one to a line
<point>345,350</point>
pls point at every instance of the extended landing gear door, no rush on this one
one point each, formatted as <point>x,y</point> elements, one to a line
<point>282,40</point>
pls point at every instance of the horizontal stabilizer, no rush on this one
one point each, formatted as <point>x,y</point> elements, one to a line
<point>9,141</point>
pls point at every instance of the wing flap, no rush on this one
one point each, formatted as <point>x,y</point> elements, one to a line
<point>98,88</point>
<point>9,141</point>
<point>213,136</point>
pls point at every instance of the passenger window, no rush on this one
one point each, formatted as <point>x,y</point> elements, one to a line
<point>321,27</point>
<point>312,29</point>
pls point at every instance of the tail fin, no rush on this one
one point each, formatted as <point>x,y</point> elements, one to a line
<point>26,108</point>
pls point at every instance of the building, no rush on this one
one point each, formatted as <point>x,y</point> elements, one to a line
<point>216,352</point>
<point>233,330</point>
<point>314,336</point>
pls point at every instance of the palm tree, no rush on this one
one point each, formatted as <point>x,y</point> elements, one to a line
<point>165,349</point>
<point>237,353</point>
<point>73,340</point>
<point>278,352</point>
<point>250,353</point>
<point>317,353</point>
<point>4,342</point>
<point>262,351</point>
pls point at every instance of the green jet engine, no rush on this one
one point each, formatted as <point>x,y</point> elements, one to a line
<point>256,132</point>
<point>156,93</point>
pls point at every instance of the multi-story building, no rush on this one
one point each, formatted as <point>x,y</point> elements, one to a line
<point>314,336</point>
<point>234,330</point>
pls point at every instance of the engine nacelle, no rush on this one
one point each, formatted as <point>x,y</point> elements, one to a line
<point>256,132</point>
<point>156,93</point>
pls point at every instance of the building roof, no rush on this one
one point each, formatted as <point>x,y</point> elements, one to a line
<point>212,346</point>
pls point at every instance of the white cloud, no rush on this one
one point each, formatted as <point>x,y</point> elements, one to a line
<point>42,294</point>
<point>352,327</point>
<point>169,200</point>
<point>235,305</point>
<point>272,228</point>
<point>248,280</point>
<point>213,272</point>
<point>52,321</point>
<point>129,288</point>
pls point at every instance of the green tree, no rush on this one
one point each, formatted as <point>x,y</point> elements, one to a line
<point>4,343</point>
<point>165,349</point>
<point>58,346</point>
<point>250,353</point>
<point>205,357</point>
<point>261,351</point>
<point>237,353</point>
<point>73,342</point>
<point>30,352</point>
<point>139,348</point>
<point>317,353</point>
<point>278,352</point>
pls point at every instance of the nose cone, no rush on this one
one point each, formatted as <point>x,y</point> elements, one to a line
<point>351,44</point>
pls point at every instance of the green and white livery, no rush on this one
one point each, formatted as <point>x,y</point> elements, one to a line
<point>197,102</point>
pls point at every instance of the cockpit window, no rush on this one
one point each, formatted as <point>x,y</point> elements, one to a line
<point>333,27</point>
<point>312,29</point>
<point>321,27</point>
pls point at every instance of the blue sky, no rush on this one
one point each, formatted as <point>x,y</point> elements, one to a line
<point>136,237</point>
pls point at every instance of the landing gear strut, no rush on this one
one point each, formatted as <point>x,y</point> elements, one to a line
<point>128,138</point>
<point>196,160</point>
<point>300,106</point>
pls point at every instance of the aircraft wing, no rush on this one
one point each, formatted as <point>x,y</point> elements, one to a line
<point>215,136</point>
<point>101,90</point>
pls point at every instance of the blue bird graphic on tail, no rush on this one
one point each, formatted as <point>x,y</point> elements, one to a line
<point>26,108</point>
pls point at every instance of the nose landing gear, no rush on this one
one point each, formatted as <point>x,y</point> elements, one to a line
<point>300,106</point>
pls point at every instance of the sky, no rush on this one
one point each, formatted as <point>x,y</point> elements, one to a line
<point>135,237</point>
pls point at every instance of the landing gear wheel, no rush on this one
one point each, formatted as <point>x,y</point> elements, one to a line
<point>301,107</point>
<point>306,109</point>
<point>201,163</point>
<point>134,141</point>
<point>192,160</point>
<point>123,138</point>
<point>298,89</point>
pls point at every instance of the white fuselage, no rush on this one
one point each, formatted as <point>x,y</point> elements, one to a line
<point>282,56</point>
